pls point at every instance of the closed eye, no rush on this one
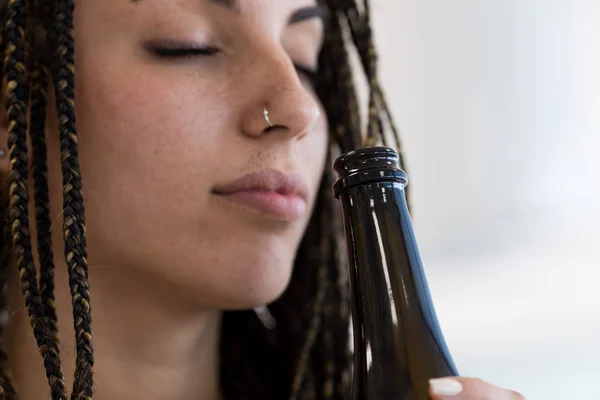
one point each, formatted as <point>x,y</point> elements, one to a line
<point>183,51</point>
<point>190,51</point>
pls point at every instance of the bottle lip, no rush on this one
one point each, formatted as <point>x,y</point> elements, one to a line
<point>368,164</point>
<point>366,153</point>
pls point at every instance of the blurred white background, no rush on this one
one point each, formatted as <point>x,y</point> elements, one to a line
<point>498,102</point>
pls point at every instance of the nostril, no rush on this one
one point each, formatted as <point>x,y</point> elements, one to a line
<point>268,129</point>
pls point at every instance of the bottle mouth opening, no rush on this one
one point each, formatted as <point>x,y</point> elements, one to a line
<point>367,164</point>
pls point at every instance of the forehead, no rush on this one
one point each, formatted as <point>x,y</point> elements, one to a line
<point>241,4</point>
<point>143,15</point>
<point>264,11</point>
<point>235,6</point>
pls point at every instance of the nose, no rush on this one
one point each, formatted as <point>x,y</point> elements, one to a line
<point>282,103</point>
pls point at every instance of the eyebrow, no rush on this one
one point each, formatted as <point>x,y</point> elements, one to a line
<point>302,14</point>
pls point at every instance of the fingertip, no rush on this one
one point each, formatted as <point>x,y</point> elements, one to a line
<point>445,387</point>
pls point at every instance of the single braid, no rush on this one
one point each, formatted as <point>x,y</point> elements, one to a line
<point>39,85</point>
<point>73,211</point>
<point>7,391</point>
<point>16,105</point>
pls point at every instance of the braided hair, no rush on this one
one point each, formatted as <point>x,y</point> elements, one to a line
<point>306,355</point>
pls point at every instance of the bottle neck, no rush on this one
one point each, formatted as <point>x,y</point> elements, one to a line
<point>392,312</point>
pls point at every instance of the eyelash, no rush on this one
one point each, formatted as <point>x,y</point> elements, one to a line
<point>184,52</point>
<point>188,52</point>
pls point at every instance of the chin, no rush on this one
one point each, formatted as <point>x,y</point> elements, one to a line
<point>255,273</point>
<point>238,281</point>
<point>258,285</point>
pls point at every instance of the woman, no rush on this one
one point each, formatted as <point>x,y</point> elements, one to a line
<point>205,134</point>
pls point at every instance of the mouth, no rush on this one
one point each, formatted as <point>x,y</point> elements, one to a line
<point>271,192</point>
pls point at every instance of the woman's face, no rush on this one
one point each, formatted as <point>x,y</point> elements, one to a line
<point>169,100</point>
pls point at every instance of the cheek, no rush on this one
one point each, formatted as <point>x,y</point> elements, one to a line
<point>123,138</point>
<point>141,115</point>
<point>141,131</point>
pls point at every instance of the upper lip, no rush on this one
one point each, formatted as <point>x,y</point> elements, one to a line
<point>267,180</point>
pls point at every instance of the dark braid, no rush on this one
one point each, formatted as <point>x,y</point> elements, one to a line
<point>306,355</point>
<point>73,211</point>
<point>7,391</point>
<point>39,94</point>
<point>39,85</point>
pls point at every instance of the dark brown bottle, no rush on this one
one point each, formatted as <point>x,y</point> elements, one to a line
<point>398,343</point>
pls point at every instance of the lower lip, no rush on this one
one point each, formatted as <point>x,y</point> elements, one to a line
<point>284,206</point>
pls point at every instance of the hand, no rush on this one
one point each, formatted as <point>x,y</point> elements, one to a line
<point>455,388</point>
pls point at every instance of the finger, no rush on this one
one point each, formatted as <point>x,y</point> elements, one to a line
<point>458,388</point>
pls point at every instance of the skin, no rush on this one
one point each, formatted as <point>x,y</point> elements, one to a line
<point>156,137</point>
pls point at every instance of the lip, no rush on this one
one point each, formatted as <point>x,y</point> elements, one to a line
<point>269,191</point>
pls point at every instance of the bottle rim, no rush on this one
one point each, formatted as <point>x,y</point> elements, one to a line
<point>367,165</point>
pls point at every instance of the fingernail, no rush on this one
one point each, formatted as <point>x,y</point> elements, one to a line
<point>445,386</point>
